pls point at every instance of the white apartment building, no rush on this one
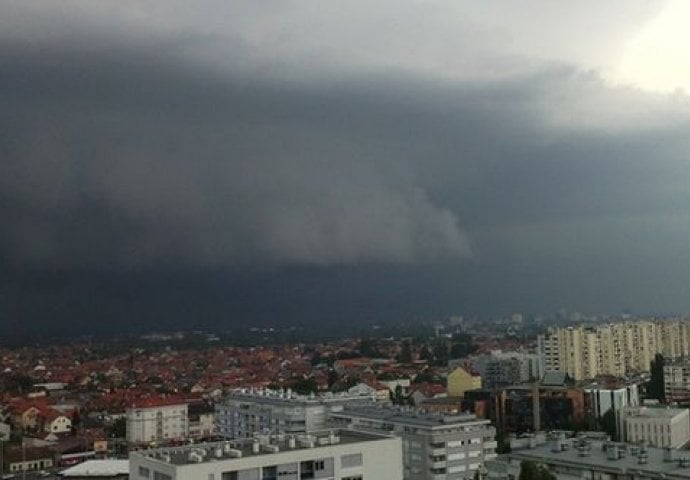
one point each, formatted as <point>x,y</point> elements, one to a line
<point>657,426</point>
<point>333,455</point>
<point>613,349</point>
<point>201,425</point>
<point>435,447</point>
<point>247,412</point>
<point>157,420</point>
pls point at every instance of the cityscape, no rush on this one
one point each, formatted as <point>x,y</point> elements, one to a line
<point>457,400</point>
<point>344,240</point>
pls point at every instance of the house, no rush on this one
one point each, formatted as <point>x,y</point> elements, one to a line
<point>56,422</point>
<point>462,379</point>
<point>26,416</point>
<point>378,390</point>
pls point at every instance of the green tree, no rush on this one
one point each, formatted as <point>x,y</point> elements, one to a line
<point>119,428</point>
<point>332,377</point>
<point>367,348</point>
<point>441,353</point>
<point>399,398</point>
<point>305,386</point>
<point>425,353</point>
<point>462,346</point>
<point>530,470</point>
<point>405,355</point>
<point>655,387</point>
<point>545,474</point>
<point>502,442</point>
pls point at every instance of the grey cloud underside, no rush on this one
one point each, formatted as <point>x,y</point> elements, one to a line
<point>120,158</point>
<point>112,161</point>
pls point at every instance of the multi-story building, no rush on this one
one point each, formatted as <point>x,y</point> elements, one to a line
<point>247,412</point>
<point>613,349</point>
<point>521,408</point>
<point>600,399</point>
<point>500,369</point>
<point>435,447</point>
<point>333,455</point>
<point>581,458</point>
<point>201,422</point>
<point>657,426</point>
<point>157,420</point>
<point>677,381</point>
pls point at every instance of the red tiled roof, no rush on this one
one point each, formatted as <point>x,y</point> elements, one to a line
<point>152,402</point>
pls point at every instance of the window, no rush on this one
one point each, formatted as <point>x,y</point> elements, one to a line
<point>144,472</point>
<point>349,461</point>
<point>161,476</point>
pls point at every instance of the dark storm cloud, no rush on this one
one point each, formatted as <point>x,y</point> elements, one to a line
<point>119,158</point>
<point>112,161</point>
<point>125,152</point>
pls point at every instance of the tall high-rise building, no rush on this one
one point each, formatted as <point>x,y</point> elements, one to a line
<point>612,349</point>
<point>677,381</point>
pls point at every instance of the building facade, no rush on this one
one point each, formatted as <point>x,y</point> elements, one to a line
<point>245,413</point>
<point>435,447</point>
<point>460,380</point>
<point>657,426</point>
<point>613,349</point>
<point>333,455</point>
<point>157,421</point>
<point>677,381</point>
<point>600,399</point>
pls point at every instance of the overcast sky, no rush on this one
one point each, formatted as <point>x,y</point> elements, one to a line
<point>214,163</point>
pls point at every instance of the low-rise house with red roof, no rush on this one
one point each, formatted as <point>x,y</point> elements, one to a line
<point>56,422</point>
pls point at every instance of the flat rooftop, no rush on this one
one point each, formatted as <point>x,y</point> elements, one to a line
<point>410,417</point>
<point>260,445</point>
<point>654,412</point>
<point>98,468</point>
<point>273,397</point>
<point>598,457</point>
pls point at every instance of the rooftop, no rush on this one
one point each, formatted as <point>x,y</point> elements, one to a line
<point>273,397</point>
<point>260,445</point>
<point>410,417</point>
<point>98,468</point>
<point>610,456</point>
<point>654,412</point>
